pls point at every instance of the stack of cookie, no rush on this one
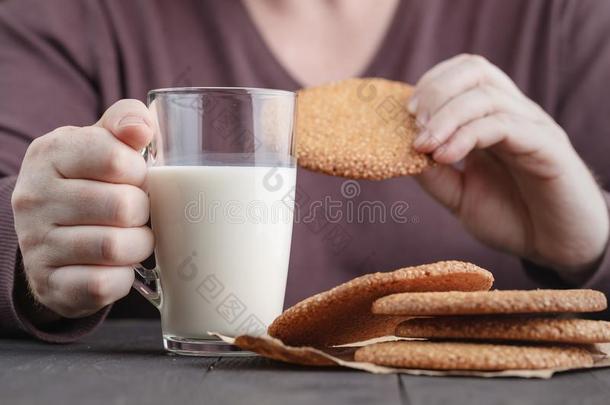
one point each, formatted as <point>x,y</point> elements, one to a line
<point>490,330</point>
<point>446,318</point>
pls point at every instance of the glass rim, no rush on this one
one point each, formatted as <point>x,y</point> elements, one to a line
<point>255,91</point>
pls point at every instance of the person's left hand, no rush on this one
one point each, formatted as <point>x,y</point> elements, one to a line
<point>523,188</point>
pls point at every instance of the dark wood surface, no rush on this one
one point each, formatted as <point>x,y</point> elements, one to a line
<point>124,363</point>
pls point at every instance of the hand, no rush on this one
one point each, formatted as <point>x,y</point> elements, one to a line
<point>80,213</point>
<point>523,188</point>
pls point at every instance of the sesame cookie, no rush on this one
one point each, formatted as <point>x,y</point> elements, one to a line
<point>358,128</point>
<point>472,356</point>
<point>520,328</point>
<point>490,302</point>
<point>343,314</point>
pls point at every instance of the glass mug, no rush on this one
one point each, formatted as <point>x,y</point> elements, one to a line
<point>221,182</point>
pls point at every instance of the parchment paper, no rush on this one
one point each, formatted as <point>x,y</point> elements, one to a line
<point>272,348</point>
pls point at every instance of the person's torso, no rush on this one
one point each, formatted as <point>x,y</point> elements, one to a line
<point>215,43</point>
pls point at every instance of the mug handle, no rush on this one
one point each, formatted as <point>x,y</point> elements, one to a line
<point>155,296</point>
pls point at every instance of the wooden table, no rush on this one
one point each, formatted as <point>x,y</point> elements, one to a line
<point>124,363</point>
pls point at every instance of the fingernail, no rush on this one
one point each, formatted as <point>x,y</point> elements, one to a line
<point>421,140</point>
<point>412,106</point>
<point>131,120</point>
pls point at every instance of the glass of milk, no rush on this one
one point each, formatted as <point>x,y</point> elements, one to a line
<point>221,183</point>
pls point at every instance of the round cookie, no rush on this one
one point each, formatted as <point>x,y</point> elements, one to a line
<point>490,302</point>
<point>472,356</point>
<point>518,328</point>
<point>343,314</point>
<point>358,128</point>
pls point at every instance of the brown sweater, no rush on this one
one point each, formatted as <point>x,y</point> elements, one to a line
<point>65,61</point>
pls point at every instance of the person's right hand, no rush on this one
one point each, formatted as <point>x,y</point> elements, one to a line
<point>80,213</point>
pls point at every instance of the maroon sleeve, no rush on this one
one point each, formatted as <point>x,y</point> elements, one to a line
<point>47,79</point>
<point>583,107</point>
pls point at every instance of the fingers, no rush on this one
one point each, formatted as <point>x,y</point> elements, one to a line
<point>527,141</point>
<point>88,202</point>
<point>94,153</point>
<point>521,136</point>
<point>474,103</point>
<point>107,151</point>
<point>77,291</point>
<point>104,245</point>
<point>478,134</point>
<point>130,121</point>
<point>467,103</point>
<point>450,78</point>
<point>79,211</point>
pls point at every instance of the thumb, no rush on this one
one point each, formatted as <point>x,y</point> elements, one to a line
<point>445,184</point>
<point>130,121</point>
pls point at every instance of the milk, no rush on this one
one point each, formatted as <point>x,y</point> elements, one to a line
<point>222,244</point>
